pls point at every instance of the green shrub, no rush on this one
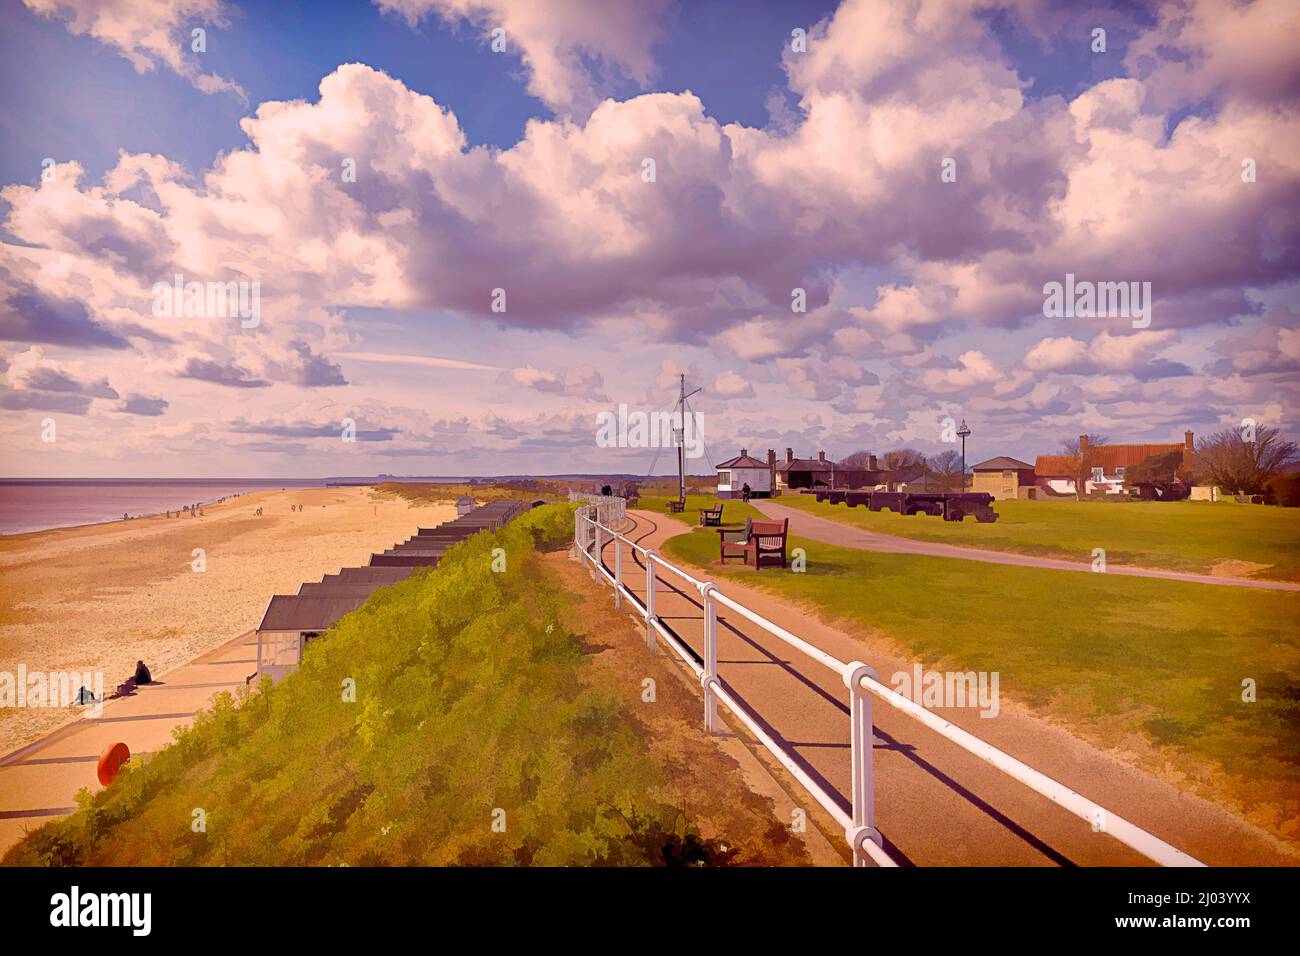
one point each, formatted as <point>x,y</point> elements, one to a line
<point>470,701</point>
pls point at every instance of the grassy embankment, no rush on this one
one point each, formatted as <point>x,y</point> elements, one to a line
<point>422,492</point>
<point>1150,667</point>
<point>1195,536</point>
<point>475,703</point>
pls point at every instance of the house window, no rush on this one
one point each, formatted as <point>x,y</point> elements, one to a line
<point>1119,472</point>
<point>1098,474</point>
<point>724,478</point>
<point>1007,475</point>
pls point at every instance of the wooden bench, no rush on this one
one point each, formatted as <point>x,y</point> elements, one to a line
<point>676,507</point>
<point>711,517</point>
<point>760,543</point>
<point>732,541</point>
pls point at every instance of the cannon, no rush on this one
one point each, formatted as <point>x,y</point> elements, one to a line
<point>951,506</point>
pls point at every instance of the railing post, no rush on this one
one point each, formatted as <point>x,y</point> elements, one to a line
<point>618,571</point>
<point>710,658</point>
<point>650,613</point>
<point>862,739</point>
<point>599,550</point>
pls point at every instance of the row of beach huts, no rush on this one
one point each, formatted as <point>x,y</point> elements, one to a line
<point>292,620</point>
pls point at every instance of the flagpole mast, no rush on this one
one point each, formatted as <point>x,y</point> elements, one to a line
<point>681,440</point>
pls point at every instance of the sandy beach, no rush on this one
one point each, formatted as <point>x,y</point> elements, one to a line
<point>100,597</point>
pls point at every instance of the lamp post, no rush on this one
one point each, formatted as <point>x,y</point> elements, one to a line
<point>962,431</point>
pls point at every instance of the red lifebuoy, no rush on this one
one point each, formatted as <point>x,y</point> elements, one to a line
<point>111,760</point>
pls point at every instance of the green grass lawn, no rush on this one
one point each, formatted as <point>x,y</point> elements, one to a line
<point>1110,656</point>
<point>734,512</point>
<point>1176,535</point>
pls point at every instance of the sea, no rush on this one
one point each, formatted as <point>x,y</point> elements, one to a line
<point>38,504</point>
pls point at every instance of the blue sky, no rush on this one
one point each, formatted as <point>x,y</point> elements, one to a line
<point>280,51</point>
<point>777,168</point>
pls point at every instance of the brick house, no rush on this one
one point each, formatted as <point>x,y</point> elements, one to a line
<point>1106,465</point>
<point>1004,478</point>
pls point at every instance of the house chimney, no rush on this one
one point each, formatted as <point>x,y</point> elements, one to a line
<point>789,455</point>
<point>821,456</point>
<point>1083,446</point>
<point>1189,442</point>
<point>744,452</point>
<point>871,463</point>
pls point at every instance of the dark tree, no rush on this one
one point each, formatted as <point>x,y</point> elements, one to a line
<point>1243,467</point>
<point>1285,489</point>
<point>1158,476</point>
<point>1081,464</point>
<point>945,468</point>
<point>903,460</point>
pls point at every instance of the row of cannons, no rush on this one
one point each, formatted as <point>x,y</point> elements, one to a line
<point>951,506</point>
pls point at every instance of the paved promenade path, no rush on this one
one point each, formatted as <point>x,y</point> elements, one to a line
<point>41,780</point>
<point>936,804</point>
<point>844,535</point>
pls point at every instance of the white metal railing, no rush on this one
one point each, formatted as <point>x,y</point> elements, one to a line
<point>590,537</point>
<point>611,510</point>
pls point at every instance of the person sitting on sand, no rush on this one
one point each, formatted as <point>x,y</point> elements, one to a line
<point>142,675</point>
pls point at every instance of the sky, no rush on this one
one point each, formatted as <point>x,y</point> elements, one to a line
<point>474,227</point>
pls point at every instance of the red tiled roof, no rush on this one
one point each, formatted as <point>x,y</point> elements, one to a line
<point>1054,466</point>
<point>1111,457</point>
<point>1106,457</point>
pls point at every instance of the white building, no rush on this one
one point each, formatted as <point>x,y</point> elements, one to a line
<point>743,470</point>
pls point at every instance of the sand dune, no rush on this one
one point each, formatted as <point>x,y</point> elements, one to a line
<point>100,597</point>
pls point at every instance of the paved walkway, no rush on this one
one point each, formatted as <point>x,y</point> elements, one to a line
<point>936,804</point>
<point>833,532</point>
<point>41,780</point>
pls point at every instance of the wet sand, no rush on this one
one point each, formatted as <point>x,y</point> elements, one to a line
<point>101,597</point>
